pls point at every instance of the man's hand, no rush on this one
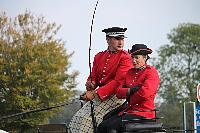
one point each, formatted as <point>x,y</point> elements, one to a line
<point>90,85</point>
<point>82,96</point>
<point>88,95</point>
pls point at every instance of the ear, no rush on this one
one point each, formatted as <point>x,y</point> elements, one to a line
<point>145,57</point>
<point>107,39</point>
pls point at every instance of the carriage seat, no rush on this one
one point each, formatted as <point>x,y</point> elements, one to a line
<point>144,127</point>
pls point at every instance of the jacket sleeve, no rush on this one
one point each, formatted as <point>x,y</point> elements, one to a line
<point>148,88</point>
<point>93,75</point>
<point>121,92</point>
<point>110,88</point>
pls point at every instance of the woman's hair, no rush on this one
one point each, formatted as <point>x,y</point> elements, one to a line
<point>146,57</point>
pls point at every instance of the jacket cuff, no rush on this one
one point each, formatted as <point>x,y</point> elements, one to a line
<point>101,95</point>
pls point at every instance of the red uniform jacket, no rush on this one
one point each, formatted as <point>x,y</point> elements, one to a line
<point>143,99</point>
<point>109,70</point>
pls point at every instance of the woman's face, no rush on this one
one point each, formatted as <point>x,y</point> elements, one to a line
<point>138,60</point>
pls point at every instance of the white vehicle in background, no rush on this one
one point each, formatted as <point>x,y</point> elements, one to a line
<point>1,131</point>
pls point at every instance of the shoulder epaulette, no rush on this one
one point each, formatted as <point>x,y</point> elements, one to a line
<point>150,67</point>
<point>124,51</point>
<point>101,52</point>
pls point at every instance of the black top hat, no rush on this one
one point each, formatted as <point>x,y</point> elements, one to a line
<point>115,32</point>
<point>140,49</point>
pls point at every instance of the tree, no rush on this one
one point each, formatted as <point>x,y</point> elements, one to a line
<point>179,66</point>
<point>33,71</point>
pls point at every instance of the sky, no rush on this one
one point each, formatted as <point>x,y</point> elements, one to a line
<point>148,22</point>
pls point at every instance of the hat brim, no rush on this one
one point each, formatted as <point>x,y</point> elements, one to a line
<point>141,52</point>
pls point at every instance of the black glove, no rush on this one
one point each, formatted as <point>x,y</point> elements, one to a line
<point>124,86</point>
<point>134,89</point>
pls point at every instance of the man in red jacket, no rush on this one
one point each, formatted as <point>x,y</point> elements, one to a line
<point>108,72</point>
<point>139,88</point>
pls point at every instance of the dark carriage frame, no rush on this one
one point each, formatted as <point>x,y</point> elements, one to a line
<point>147,125</point>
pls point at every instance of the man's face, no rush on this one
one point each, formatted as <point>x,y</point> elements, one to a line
<point>115,43</point>
<point>138,60</point>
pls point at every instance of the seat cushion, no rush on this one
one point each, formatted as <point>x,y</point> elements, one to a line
<point>147,126</point>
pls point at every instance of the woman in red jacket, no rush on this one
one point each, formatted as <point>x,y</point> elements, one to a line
<point>139,88</point>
